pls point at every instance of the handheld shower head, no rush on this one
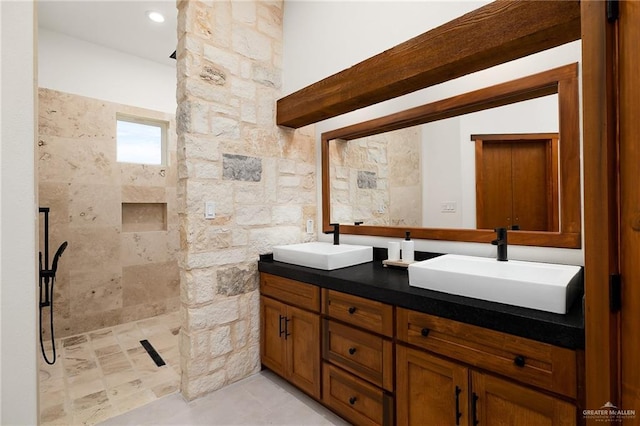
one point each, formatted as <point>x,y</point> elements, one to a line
<point>61,249</point>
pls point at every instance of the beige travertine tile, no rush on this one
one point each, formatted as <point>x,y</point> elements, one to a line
<point>125,389</point>
<point>94,205</point>
<point>108,350</point>
<point>83,280</point>
<point>114,363</point>
<point>100,334</point>
<point>79,390</point>
<point>95,373</point>
<point>91,400</point>
<point>150,282</point>
<point>143,194</point>
<point>52,398</point>
<point>136,351</point>
<point>54,413</point>
<point>79,366</point>
<point>145,309</point>
<point>99,299</point>
<point>97,320</point>
<point>139,248</point>
<point>74,341</point>
<point>129,337</point>
<point>95,414</point>
<point>116,379</point>
<point>166,388</point>
<point>143,364</point>
<point>83,376</point>
<point>135,400</point>
<point>97,248</point>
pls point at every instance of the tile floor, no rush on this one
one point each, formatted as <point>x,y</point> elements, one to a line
<point>103,373</point>
<point>262,399</point>
<point>107,376</point>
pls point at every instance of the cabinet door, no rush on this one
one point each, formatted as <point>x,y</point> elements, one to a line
<point>303,350</point>
<point>272,345</point>
<point>498,402</point>
<point>430,390</point>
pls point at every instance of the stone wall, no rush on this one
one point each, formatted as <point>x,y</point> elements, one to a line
<point>377,179</point>
<point>108,275</point>
<point>261,178</point>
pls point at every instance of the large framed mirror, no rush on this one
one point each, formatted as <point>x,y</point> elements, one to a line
<point>506,155</point>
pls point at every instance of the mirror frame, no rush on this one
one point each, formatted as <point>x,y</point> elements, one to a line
<point>562,80</point>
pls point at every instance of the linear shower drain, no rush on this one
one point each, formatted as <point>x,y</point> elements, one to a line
<point>155,356</point>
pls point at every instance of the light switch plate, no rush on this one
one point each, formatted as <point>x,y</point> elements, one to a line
<point>209,210</point>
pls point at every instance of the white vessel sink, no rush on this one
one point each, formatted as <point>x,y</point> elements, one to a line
<point>321,255</point>
<point>543,286</point>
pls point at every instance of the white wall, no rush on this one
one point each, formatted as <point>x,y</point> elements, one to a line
<point>75,66</point>
<point>449,155</point>
<point>18,212</point>
<point>325,37</point>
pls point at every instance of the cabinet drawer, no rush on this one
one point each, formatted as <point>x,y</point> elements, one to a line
<point>528,361</point>
<point>306,296</point>
<point>354,399</point>
<point>364,354</point>
<point>364,313</point>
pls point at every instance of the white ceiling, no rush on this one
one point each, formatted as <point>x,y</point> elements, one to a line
<point>120,25</point>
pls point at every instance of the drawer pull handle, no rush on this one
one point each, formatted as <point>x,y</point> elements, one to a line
<point>352,400</point>
<point>425,332</point>
<point>352,310</point>
<point>519,361</point>
<point>286,328</point>
<point>352,351</point>
<point>280,329</point>
<point>458,413</point>
<point>474,409</point>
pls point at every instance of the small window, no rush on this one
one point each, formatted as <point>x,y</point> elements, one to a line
<point>141,141</point>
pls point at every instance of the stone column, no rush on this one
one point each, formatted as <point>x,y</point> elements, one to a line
<point>262,179</point>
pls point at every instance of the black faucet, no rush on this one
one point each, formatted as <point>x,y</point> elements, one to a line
<point>501,242</point>
<point>335,232</point>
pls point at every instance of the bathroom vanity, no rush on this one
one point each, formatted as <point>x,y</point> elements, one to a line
<point>378,351</point>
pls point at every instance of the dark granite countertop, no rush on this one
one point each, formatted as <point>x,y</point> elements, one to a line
<point>390,285</point>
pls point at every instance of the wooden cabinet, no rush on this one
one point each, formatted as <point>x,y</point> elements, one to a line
<point>436,371</point>
<point>370,315</point>
<point>358,358</point>
<point>290,336</point>
<point>499,402</point>
<point>530,362</point>
<point>452,376</point>
<point>364,354</point>
<point>432,390</point>
<point>356,400</point>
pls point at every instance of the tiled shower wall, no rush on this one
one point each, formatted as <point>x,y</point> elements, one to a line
<point>109,274</point>
<point>262,179</point>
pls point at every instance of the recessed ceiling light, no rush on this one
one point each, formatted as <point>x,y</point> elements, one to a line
<point>155,16</point>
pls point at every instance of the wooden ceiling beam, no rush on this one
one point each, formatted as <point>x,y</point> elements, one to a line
<point>493,34</point>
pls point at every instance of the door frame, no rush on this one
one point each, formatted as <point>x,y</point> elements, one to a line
<point>601,213</point>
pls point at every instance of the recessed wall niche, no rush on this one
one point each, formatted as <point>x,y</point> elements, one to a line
<point>140,217</point>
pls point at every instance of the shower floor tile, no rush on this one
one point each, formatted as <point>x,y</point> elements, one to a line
<point>104,373</point>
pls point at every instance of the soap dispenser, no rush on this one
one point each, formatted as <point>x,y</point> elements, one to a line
<point>407,248</point>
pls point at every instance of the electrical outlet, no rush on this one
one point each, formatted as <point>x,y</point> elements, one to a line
<point>448,207</point>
